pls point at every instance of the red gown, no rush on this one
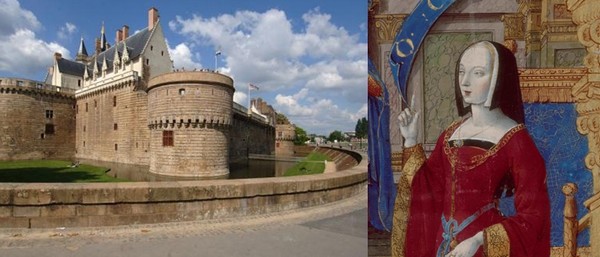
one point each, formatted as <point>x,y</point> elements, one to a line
<point>480,175</point>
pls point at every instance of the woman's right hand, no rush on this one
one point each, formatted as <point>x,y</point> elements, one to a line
<point>408,127</point>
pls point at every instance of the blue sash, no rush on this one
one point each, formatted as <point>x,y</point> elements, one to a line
<point>452,228</point>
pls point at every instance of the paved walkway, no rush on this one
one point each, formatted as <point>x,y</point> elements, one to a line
<point>338,229</point>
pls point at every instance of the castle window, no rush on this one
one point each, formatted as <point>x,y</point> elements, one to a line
<point>116,147</point>
<point>151,47</point>
<point>114,101</point>
<point>83,143</point>
<point>86,107</point>
<point>79,83</point>
<point>42,136</point>
<point>115,127</point>
<point>49,129</point>
<point>182,91</point>
<point>95,104</point>
<point>147,61</point>
<point>83,128</point>
<point>167,138</point>
<point>49,114</point>
<point>162,53</point>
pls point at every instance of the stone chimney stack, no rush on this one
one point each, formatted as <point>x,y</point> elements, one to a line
<point>152,18</point>
<point>125,32</point>
<point>57,56</point>
<point>119,36</point>
<point>98,46</point>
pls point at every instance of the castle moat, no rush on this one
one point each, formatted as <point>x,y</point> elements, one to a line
<point>238,170</point>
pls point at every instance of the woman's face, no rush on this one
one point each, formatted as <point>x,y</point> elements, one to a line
<point>474,74</point>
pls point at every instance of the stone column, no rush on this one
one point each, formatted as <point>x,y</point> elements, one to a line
<point>531,11</point>
<point>586,14</point>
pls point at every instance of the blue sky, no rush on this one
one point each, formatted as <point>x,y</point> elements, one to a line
<point>307,57</point>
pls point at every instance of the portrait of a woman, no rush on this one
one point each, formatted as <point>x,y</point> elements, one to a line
<point>447,204</point>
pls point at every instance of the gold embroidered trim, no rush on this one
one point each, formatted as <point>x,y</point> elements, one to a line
<point>413,158</point>
<point>400,219</point>
<point>477,159</point>
<point>495,241</point>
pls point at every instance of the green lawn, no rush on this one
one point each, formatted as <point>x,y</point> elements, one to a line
<point>312,164</point>
<point>48,171</point>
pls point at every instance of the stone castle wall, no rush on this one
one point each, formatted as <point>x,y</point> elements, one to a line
<point>38,121</point>
<point>113,131</point>
<point>196,107</point>
<point>115,124</point>
<point>249,136</point>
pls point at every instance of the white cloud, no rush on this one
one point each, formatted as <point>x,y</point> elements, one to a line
<point>240,98</point>
<point>183,57</point>
<point>66,31</point>
<point>13,18</point>
<point>21,52</point>
<point>324,59</point>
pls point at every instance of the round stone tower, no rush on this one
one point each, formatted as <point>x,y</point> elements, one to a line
<point>189,116</point>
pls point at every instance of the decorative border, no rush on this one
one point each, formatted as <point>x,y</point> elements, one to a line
<point>549,85</point>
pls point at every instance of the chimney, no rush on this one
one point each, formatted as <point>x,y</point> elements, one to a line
<point>152,18</point>
<point>57,56</point>
<point>98,47</point>
<point>125,32</point>
<point>119,36</point>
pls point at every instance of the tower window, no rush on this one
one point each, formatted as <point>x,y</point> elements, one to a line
<point>147,61</point>
<point>83,128</point>
<point>49,114</point>
<point>115,127</point>
<point>49,130</point>
<point>116,147</point>
<point>86,107</point>
<point>167,138</point>
<point>182,91</point>
<point>114,101</point>
<point>79,82</point>
<point>95,104</point>
<point>162,53</point>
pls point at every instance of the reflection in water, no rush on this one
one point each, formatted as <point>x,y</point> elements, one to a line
<point>247,169</point>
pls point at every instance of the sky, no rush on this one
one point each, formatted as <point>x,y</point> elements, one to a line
<point>308,58</point>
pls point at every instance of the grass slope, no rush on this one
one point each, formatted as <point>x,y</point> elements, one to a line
<point>312,164</point>
<point>48,171</point>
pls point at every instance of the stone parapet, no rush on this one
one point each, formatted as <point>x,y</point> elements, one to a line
<point>111,204</point>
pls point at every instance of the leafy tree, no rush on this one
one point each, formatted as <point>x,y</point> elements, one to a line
<point>336,135</point>
<point>362,126</point>
<point>301,136</point>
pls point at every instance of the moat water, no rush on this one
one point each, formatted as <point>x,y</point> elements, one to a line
<point>240,170</point>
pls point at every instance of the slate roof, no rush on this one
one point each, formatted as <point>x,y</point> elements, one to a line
<point>135,45</point>
<point>70,67</point>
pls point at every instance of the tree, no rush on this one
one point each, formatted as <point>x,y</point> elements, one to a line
<point>362,125</point>
<point>336,135</point>
<point>301,136</point>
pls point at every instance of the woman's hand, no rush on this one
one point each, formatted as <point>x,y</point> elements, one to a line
<point>468,247</point>
<point>408,127</point>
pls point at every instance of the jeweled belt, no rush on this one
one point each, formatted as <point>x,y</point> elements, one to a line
<point>452,228</point>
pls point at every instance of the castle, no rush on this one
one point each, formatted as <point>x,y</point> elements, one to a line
<point>124,103</point>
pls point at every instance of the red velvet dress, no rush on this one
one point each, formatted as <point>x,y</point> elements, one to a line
<point>479,177</point>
